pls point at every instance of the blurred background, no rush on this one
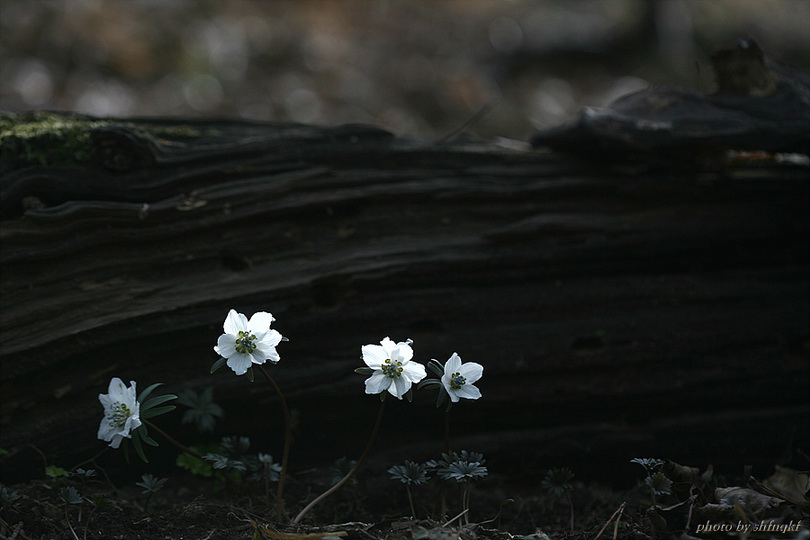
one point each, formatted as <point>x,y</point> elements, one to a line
<point>420,68</point>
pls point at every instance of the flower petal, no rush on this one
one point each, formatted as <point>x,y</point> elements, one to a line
<point>105,400</point>
<point>374,356</point>
<point>117,389</point>
<point>452,365</point>
<point>404,351</point>
<point>468,391</point>
<point>260,322</point>
<point>377,383</point>
<point>388,346</point>
<point>400,387</point>
<point>234,322</point>
<point>471,371</point>
<point>133,422</point>
<point>105,430</point>
<point>257,359</point>
<point>413,371</point>
<point>269,338</point>
<point>452,393</point>
<point>265,352</point>
<point>226,345</point>
<point>239,363</point>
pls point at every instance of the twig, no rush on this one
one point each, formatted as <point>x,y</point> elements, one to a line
<point>618,512</point>
<point>456,517</point>
<point>67,520</point>
<point>618,519</point>
<point>349,474</point>
<point>210,534</point>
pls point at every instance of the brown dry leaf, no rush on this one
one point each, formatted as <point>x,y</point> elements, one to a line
<point>682,476</point>
<point>276,535</point>
<point>754,501</point>
<point>791,485</point>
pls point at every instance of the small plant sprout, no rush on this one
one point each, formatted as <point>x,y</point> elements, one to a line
<point>70,496</point>
<point>8,496</point>
<point>410,474</point>
<point>126,417</point>
<point>267,472</point>
<point>656,481</point>
<point>659,484</point>
<point>464,467</point>
<point>85,473</point>
<point>251,342</point>
<point>341,468</point>
<point>202,411</point>
<point>558,483</point>
<point>150,485</point>
<point>391,370</point>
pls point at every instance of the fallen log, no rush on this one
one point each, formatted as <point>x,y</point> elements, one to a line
<point>617,314</point>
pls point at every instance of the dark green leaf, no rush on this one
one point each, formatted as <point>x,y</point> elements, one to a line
<point>136,443</point>
<point>151,413</point>
<point>436,367</point>
<point>155,401</point>
<point>218,364</point>
<point>145,393</point>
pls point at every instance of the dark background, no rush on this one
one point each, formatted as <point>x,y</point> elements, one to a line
<point>416,68</point>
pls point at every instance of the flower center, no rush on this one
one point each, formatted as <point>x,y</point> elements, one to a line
<point>392,369</point>
<point>457,381</point>
<point>118,414</point>
<point>246,342</point>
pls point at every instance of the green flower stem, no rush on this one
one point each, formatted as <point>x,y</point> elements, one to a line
<point>172,440</point>
<point>349,474</point>
<point>285,454</point>
<point>443,488</point>
<point>466,498</point>
<point>446,431</point>
<point>410,500</point>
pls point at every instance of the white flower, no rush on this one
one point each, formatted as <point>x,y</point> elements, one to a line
<point>458,378</point>
<point>393,369</point>
<point>246,342</point>
<point>121,412</point>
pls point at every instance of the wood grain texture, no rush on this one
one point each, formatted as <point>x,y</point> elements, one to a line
<point>615,312</point>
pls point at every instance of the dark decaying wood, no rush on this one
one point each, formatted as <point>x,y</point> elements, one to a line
<point>617,314</point>
<point>760,104</point>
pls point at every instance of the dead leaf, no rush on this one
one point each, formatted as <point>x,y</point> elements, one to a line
<point>754,501</point>
<point>791,485</point>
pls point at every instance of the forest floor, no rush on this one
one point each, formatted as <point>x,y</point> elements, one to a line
<point>375,507</point>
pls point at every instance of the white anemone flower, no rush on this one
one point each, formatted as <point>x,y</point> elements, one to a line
<point>393,369</point>
<point>121,412</point>
<point>459,377</point>
<point>247,342</point>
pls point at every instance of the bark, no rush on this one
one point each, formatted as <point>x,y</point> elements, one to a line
<point>618,313</point>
